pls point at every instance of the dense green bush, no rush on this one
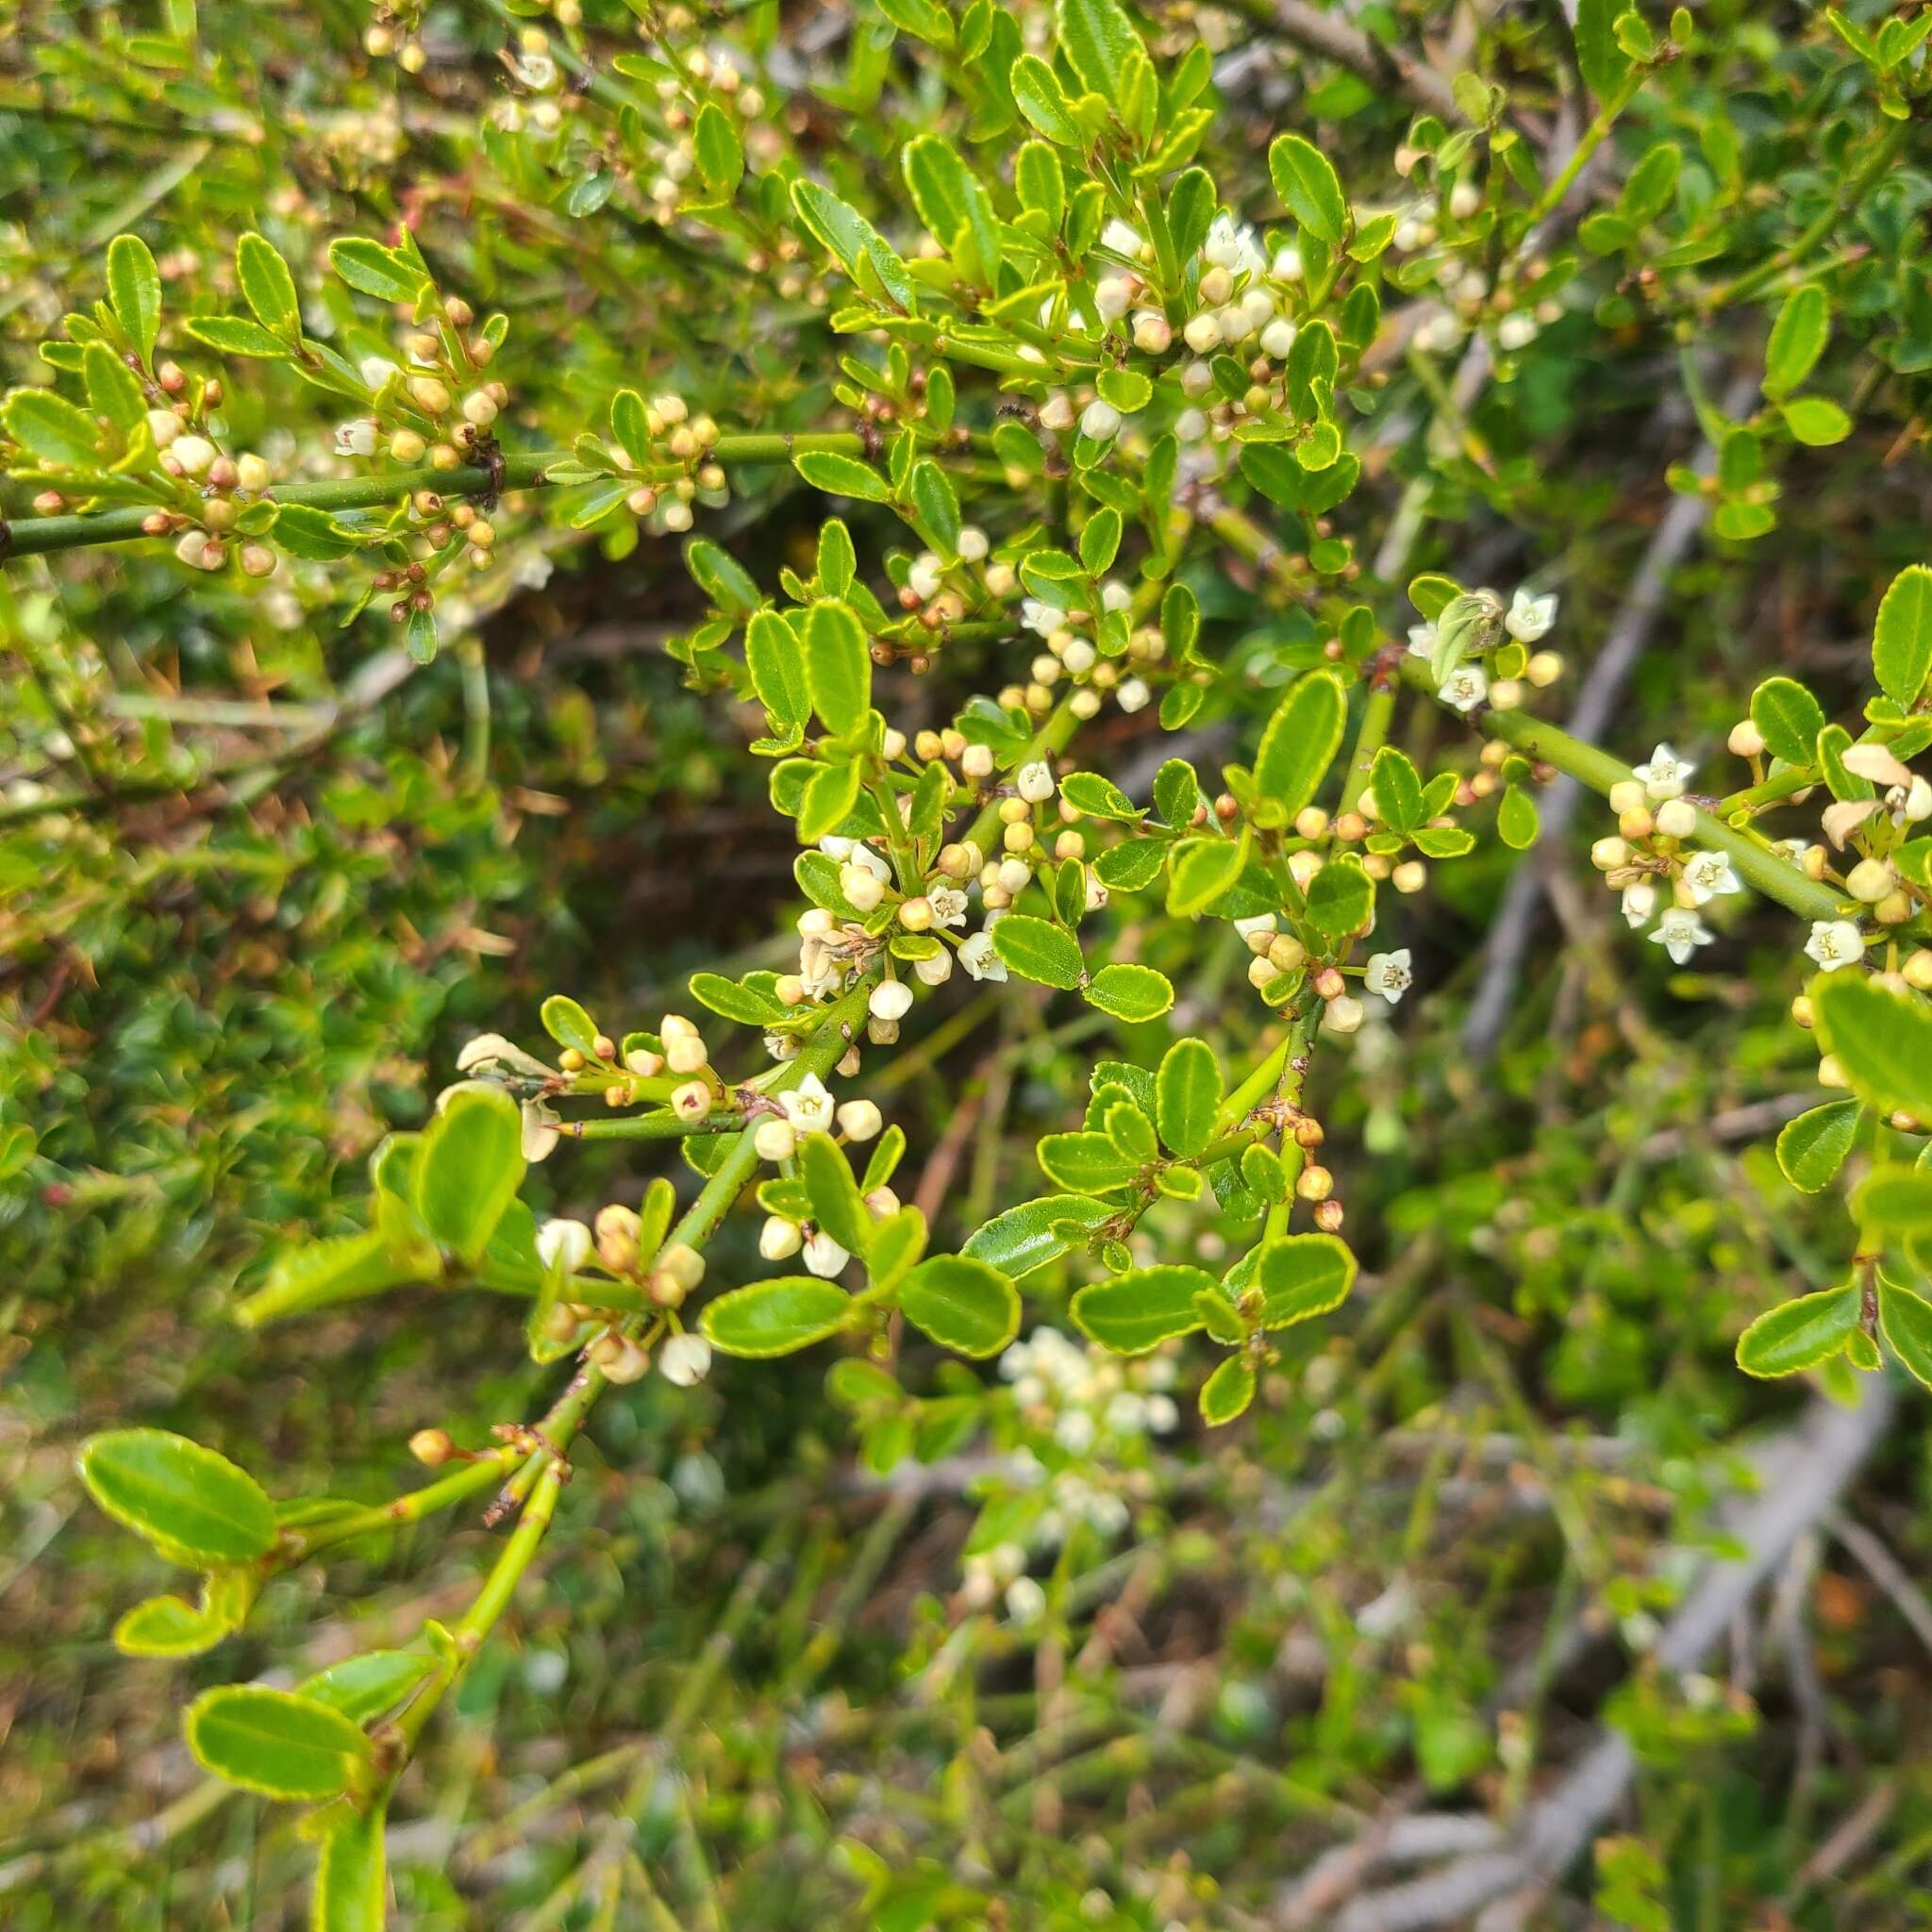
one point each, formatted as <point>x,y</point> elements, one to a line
<point>1170,1321</point>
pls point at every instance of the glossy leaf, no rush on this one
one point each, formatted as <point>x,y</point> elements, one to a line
<point>1138,1311</point>
<point>187,1500</point>
<point>1189,1090</point>
<point>275,1742</point>
<point>1799,1334</point>
<point>778,1317</point>
<point>962,1303</point>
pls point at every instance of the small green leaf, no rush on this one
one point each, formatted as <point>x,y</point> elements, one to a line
<point>1797,340</point>
<point>364,1687</point>
<point>1036,1232</point>
<point>776,663</point>
<point>275,1742</point>
<point>1201,872</point>
<point>1188,1090</point>
<point>838,667</point>
<point>351,1882</point>
<point>779,1316</point>
<point>168,1627</point>
<point>839,475</point>
<point>1517,820</point>
<point>963,1303</point>
<point>1788,719</point>
<point>50,428</point>
<point>1342,899</point>
<point>1098,797</point>
<point>267,286</point>
<point>1133,993</point>
<point>1138,1311</point>
<point>1799,1334</point>
<point>1817,421</point>
<point>1812,1148</point>
<point>1099,41</point>
<point>836,1206</point>
<point>1301,1275</point>
<point>1038,95</point>
<point>470,1167</point>
<point>1085,1163</point>
<point>1601,61</point>
<point>1227,1391</point>
<point>1905,1319</point>
<point>1039,950</point>
<point>134,292</point>
<point>569,1025</point>
<point>235,335</point>
<point>191,1503</point>
<point>719,152</point>
<point>1894,1200</point>
<point>1902,638</point>
<point>1309,186</point>
<point>374,270</point>
<point>1300,743</point>
<point>1882,1040</point>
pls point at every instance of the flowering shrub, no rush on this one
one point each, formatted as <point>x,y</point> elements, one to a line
<point>1113,417</point>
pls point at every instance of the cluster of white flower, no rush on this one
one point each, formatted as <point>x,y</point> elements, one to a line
<point>1528,621</point>
<point>810,1108</point>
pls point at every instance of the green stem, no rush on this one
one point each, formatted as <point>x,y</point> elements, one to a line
<point>37,536</point>
<point>1593,138</point>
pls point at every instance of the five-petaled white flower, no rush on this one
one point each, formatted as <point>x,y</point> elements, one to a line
<point>1530,618</point>
<point>1421,641</point>
<point>1639,903</point>
<point>1465,686</point>
<point>808,1105</point>
<point>1388,975</point>
<point>979,957</point>
<point>1708,875</point>
<point>948,905</point>
<point>1043,620</point>
<point>1665,775</point>
<point>1680,933</point>
<point>1835,942</point>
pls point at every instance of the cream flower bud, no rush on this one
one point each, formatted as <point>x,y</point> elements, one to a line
<point>566,1244</point>
<point>1676,818</point>
<point>976,762</point>
<point>1056,413</point>
<point>861,887</point>
<point>1277,338</point>
<point>685,1360</point>
<point>1035,782</point>
<point>1133,695</point>
<point>164,427</point>
<point>1342,1014</point>
<point>1746,741</point>
<point>479,409</point>
<point>892,999</point>
<point>692,1101</point>
<point>1100,421</point>
<point>935,971</point>
<point>194,453</point>
<point>1607,854</point>
<point>1870,880</point>
<point>431,396</point>
<point>1113,297</point>
<point>859,1119</point>
<point>1203,333</point>
<point>685,1053</point>
<point>973,544</point>
<point>620,1359</point>
<point>1627,795</point>
<point>779,1238</point>
<point>823,1257</point>
<point>774,1139</point>
<point>1153,335</point>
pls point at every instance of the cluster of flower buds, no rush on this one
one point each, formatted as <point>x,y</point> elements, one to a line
<point>1492,672</point>
<point>674,160</point>
<point>570,1248</point>
<point>392,36</point>
<point>224,485</point>
<point>810,1108</point>
<point>679,437</point>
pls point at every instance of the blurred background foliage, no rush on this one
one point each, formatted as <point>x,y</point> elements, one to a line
<point>1447,1536</point>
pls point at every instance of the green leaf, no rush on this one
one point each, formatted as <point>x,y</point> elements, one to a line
<point>341,1268</point>
<point>364,1687</point>
<point>750,1006</point>
<point>48,427</point>
<point>1882,1041</point>
<point>839,475</point>
<point>1894,1200</point>
<point>1517,820</point>
<point>191,1503</point>
<point>859,246</point>
<point>1902,638</point>
<point>1812,1148</point>
<point>235,335</point>
<point>1188,1091</point>
<point>374,270</point>
<point>470,1167</point>
<point>1133,993</point>
<point>838,666</point>
<point>351,1881</point>
<point>776,1317</point>
<point>134,292</point>
<point>1342,899</point>
<point>1815,421</point>
<point>1036,1232</point>
<point>830,793</point>
<point>1309,186</point>
<point>275,1742</point>
<point>1099,41</point>
<point>112,388</point>
<point>1227,1391</point>
<point>1797,340</point>
<point>964,1304</point>
<point>1789,718</point>
<point>1038,94</point>
<point>1300,743</point>
<point>895,1245</point>
<point>1085,1163</point>
<point>1599,58</point>
<point>1398,788</point>
<point>1201,872</point>
<point>935,504</point>
<point>168,1627</point>
<point>836,1206</point>
<point>267,286</point>
<point>569,1025</point>
<point>1098,797</point>
<point>720,153</point>
<point>1799,1334</point>
<point>1036,949</point>
<point>1905,1319</point>
<point>1138,1311</point>
<point>1301,1275</point>
<point>777,664</point>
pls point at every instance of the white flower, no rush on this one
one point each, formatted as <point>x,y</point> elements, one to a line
<point>1665,775</point>
<point>948,905</point>
<point>356,438</point>
<point>1516,331</point>
<point>1421,641</point>
<point>808,1105</point>
<point>1465,686</point>
<point>1122,239</point>
<point>979,957</point>
<point>1680,933</point>
<point>1388,975</point>
<point>376,370</point>
<point>1835,942</point>
<point>1074,1431</point>
<point>1530,618</point>
<point>1639,903</point>
<point>542,1130</point>
<point>1025,1600</point>
<point>1115,597</point>
<point>922,579</point>
<point>685,1360</point>
<point>1035,782</point>
<point>824,1257</point>
<point>1234,245</point>
<point>1100,421</point>
<point>1133,695</point>
<point>1043,620</point>
<point>491,1050</point>
<point>566,1244</point>
<point>1708,875</point>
